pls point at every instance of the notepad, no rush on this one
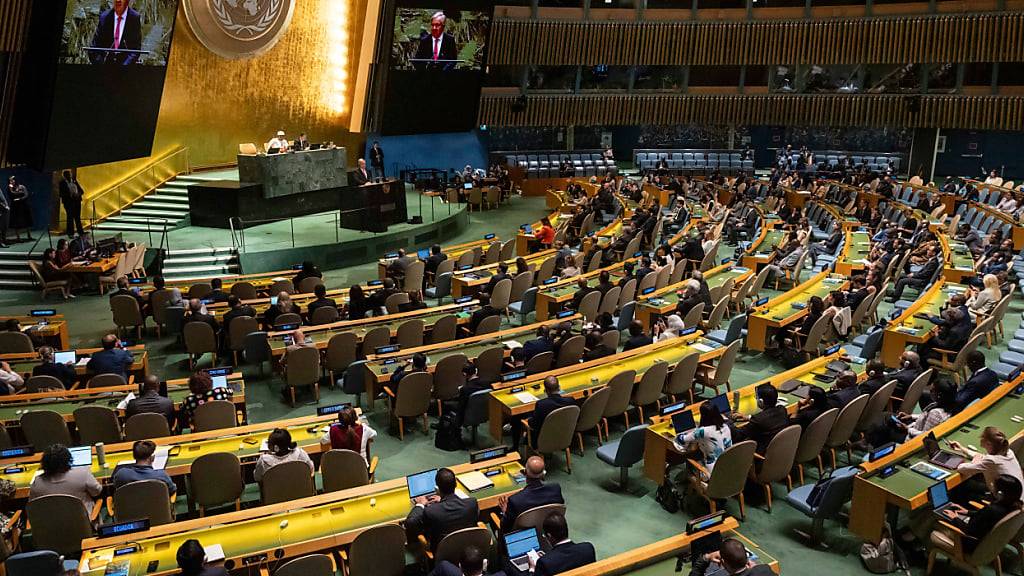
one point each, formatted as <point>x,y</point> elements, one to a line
<point>82,361</point>
<point>524,397</point>
<point>475,480</point>
<point>214,552</point>
<point>160,458</point>
<point>701,347</point>
<point>124,403</point>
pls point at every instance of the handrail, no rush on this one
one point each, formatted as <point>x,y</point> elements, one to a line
<point>152,181</point>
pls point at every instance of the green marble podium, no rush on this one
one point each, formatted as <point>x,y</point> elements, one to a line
<point>295,172</point>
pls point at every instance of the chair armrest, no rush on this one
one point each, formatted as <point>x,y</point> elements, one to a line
<point>697,465</point>
<point>426,546</point>
<point>945,354</point>
<point>98,505</point>
<point>131,379</point>
<point>343,554</point>
<point>388,391</point>
<point>495,520</point>
<point>372,469</point>
<point>526,423</point>
<point>264,571</point>
<point>758,456</point>
<point>12,521</point>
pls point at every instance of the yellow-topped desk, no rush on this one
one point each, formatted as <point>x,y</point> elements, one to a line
<point>315,524</point>
<point>468,282</point>
<point>185,449</point>
<point>452,252</point>
<point>517,398</point>
<point>52,329</point>
<point>664,301</point>
<point>789,307</point>
<point>905,489</point>
<point>854,255</point>
<point>909,329</point>
<point>24,362</point>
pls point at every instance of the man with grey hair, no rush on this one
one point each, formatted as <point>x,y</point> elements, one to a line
<point>689,299</point>
<point>705,290</point>
<point>437,50</point>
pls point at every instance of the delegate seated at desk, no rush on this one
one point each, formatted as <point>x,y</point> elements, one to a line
<point>113,359</point>
<point>440,514</point>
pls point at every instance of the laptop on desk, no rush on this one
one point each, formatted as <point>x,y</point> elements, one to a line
<point>421,483</point>
<point>938,497</point>
<point>940,457</point>
<point>520,545</point>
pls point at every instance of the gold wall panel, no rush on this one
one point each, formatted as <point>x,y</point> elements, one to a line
<point>991,37</point>
<point>968,112</point>
<point>210,104</point>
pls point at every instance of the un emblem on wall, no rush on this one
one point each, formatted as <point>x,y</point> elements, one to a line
<point>238,28</point>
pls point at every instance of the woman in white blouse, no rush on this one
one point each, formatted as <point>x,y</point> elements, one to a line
<point>280,449</point>
<point>996,458</point>
<point>984,301</point>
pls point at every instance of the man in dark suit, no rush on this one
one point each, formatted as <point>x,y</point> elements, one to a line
<point>604,283</point>
<point>501,274</point>
<point>360,177</point>
<point>953,334</point>
<point>433,261</point>
<point>473,385</point>
<point>440,514</point>
<point>197,314</point>
<point>217,293</point>
<point>112,359</point>
<point>236,309</point>
<point>540,344</point>
<point>917,280</point>
<point>771,419</point>
<point>732,556</point>
<point>637,337</point>
<point>909,370</point>
<point>982,381</point>
<point>484,311</point>
<point>320,291</point>
<point>553,401</point>
<point>71,193</point>
<point>582,289</point>
<point>377,160</point>
<point>690,298</point>
<point>150,400</point>
<point>63,372</point>
<point>535,493</point>
<point>845,390</point>
<point>119,28</point>
<point>564,554</point>
<point>437,50</point>
<point>123,289</point>
<point>473,563</point>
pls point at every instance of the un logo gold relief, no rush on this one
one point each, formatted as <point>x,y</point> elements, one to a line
<point>238,28</point>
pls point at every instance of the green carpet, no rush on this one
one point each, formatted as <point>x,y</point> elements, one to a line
<point>612,520</point>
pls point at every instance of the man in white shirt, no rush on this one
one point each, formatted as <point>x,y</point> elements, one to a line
<point>994,179</point>
<point>280,142</point>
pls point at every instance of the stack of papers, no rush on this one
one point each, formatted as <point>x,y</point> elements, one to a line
<point>124,403</point>
<point>524,397</point>
<point>214,552</point>
<point>160,458</point>
<point>702,347</point>
<point>82,361</point>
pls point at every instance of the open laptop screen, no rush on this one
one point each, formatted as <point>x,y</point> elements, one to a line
<point>521,542</point>
<point>421,484</point>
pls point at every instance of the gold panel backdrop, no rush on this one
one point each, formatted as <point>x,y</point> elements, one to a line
<point>306,83</point>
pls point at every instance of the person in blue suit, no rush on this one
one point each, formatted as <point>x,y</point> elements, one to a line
<point>983,380</point>
<point>565,554</point>
<point>535,493</point>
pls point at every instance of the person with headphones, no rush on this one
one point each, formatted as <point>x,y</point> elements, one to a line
<point>769,421</point>
<point>876,378</point>
<point>733,557</point>
<point>535,493</point>
<point>909,370</point>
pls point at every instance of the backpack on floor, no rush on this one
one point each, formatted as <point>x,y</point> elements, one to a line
<point>449,433</point>
<point>668,497</point>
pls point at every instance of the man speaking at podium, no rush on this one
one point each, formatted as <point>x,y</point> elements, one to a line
<point>360,177</point>
<point>437,50</point>
<point>120,28</point>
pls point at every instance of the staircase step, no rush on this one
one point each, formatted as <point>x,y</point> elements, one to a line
<point>16,284</point>
<point>16,273</point>
<point>223,269</point>
<point>143,212</point>
<point>177,260</point>
<point>209,250</point>
<point>172,189</point>
<point>153,204</point>
<point>169,199</point>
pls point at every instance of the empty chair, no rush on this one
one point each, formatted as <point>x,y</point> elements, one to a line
<point>15,343</point>
<point>341,352</point>
<point>413,281</point>
<point>302,370</point>
<point>846,422</point>
<point>681,379</point>
<point>621,386</point>
<point>411,400</point>
<point>489,363</point>
<point>501,295</point>
<point>444,329</point>
<point>410,333</point>
<point>42,383</point>
<point>556,433</point>
<point>526,304</point>
<point>60,523</point>
<point>216,480</point>
<point>728,476</point>
<point>344,469</point>
<point>488,325</point>
<point>286,481</point>
<point>829,504</point>
<point>145,426</point>
<point>591,412</point>
<point>242,326</point>
<point>312,565</point>
<point>244,290</point>
<point>375,338</point>
<point>256,348</point>
<point>127,314</point>
<point>589,306</point>
<point>624,452</point>
<point>442,286</point>
<point>140,500</point>
<point>44,428</point>
<point>476,411</point>
<point>214,415</point>
<point>571,351</point>
<point>448,378</point>
<point>540,363</point>
<point>105,381</point>
<point>719,375</point>
<point>648,390</point>
<point>97,424</point>
<point>778,461</point>
<point>376,551</point>
<point>200,339</point>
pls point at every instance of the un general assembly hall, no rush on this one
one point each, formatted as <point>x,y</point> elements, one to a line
<point>517,288</point>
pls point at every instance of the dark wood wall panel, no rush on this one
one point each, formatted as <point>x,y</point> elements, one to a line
<point>14,22</point>
<point>990,37</point>
<point>975,112</point>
